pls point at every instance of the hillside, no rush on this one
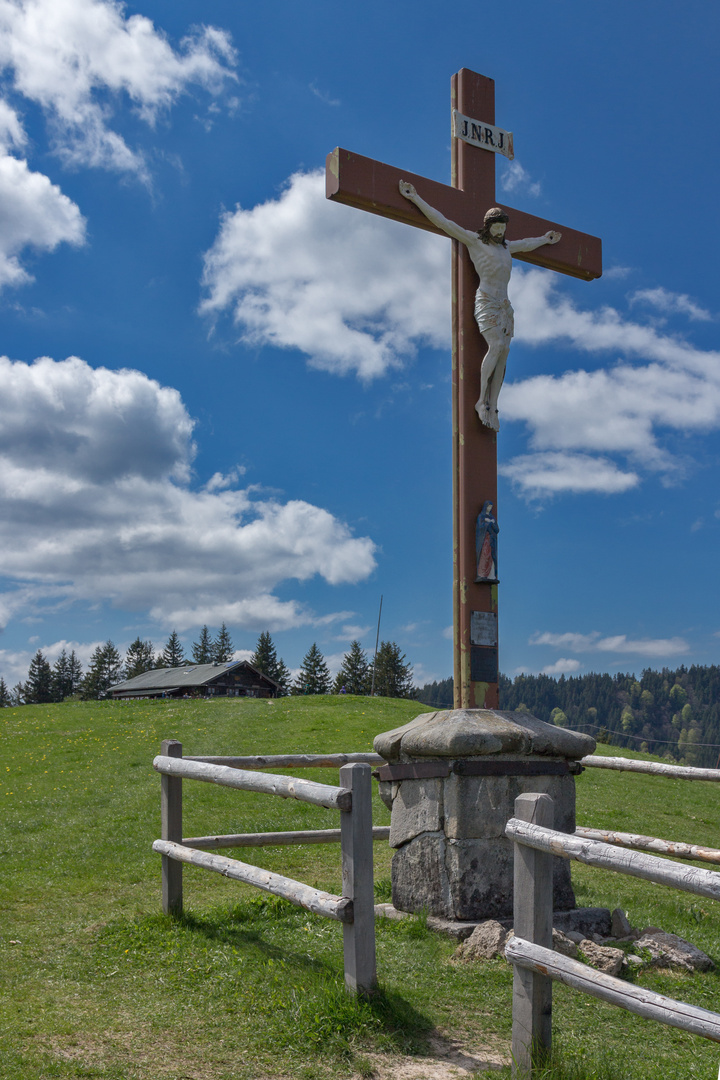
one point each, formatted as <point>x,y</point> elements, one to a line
<point>97,984</point>
<point>670,713</point>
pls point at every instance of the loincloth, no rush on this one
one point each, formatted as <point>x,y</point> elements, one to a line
<point>491,312</point>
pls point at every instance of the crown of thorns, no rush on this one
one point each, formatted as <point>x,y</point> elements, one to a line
<point>495,214</point>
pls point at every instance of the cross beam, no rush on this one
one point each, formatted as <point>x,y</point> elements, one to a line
<point>373,186</point>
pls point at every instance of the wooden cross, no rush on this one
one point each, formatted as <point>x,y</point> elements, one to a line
<point>371,185</point>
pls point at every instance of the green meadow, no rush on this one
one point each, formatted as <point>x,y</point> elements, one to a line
<point>97,983</point>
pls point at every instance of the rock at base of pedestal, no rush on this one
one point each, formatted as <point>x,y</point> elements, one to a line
<point>464,879</point>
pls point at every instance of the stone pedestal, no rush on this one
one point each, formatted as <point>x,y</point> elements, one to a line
<point>451,782</point>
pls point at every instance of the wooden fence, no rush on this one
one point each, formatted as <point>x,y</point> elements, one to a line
<point>654,768</point>
<point>530,950</point>
<point>354,909</point>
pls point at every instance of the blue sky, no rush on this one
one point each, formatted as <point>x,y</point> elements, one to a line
<point>224,399</point>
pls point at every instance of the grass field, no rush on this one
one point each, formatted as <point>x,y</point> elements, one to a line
<point>97,983</point>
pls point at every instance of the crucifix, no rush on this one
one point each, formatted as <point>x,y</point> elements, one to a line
<point>382,189</point>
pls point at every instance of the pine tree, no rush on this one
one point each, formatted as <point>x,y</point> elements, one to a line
<point>76,673</point>
<point>202,649</point>
<point>38,685</point>
<point>17,694</point>
<point>139,658</point>
<point>5,696</point>
<point>314,676</point>
<point>173,655</point>
<point>265,656</point>
<point>62,683</point>
<point>283,677</point>
<point>393,676</point>
<point>354,674</point>
<point>105,671</point>
<point>222,648</point>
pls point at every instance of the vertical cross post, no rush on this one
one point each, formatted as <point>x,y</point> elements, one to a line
<point>532,920</point>
<point>171,829</point>
<point>475,672</point>
<point>357,880</point>
<point>373,186</point>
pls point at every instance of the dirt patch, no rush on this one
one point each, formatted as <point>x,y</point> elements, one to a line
<point>447,1060</point>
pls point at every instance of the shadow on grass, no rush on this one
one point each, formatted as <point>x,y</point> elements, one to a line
<point>248,956</point>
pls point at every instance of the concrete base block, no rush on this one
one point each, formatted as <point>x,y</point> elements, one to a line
<point>419,877</point>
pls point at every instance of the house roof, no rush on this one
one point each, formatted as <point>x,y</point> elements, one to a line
<point>175,678</point>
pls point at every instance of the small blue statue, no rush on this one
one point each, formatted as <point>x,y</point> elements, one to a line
<point>486,531</point>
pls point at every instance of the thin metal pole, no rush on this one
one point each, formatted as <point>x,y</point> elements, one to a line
<point>377,638</point>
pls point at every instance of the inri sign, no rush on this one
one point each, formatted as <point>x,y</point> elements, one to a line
<point>483,135</point>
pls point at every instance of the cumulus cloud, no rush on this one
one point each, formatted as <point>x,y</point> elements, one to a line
<point>563,666</point>
<point>357,294</point>
<point>539,475</point>
<point>96,504</point>
<point>34,212</point>
<point>655,648</point>
<point>76,58</point>
<point>352,291</point>
<point>515,178</point>
<point>624,409</point>
<point>668,302</point>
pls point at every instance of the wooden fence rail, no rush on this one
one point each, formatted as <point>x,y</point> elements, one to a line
<point>292,761</point>
<point>535,965</point>
<point>615,991</point>
<point>654,768</point>
<point>271,839</point>
<point>287,787</point>
<point>322,903</point>
<point>693,879</point>
<point>651,843</point>
<point>355,909</point>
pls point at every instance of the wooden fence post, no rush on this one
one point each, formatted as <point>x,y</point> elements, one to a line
<point>532,920</point>
<point>171,829</point>
<point>357,880</point>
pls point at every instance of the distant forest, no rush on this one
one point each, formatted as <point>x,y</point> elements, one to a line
<point>675,714</point>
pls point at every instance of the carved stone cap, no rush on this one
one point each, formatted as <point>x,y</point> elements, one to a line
<point>464,733</point>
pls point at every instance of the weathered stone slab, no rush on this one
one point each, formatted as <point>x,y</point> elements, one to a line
<point>463,733</point>
<point>417,808</point>
<point>586,921</point>
<point>669,950</point>
<point>620,925</point>
<point>485,943</point>
<point>419,877</point>
<point>480,806</point>
<point>602,957</point>
<point>563,944</point>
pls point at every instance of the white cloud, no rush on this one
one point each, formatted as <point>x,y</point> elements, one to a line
<point>622,410</point>
<point>449,632</point>
<point>352,632</point>
<point>96,505</point>
<point>562,667</point>
<point>668,302</point>
<point>543,474</point>
<point>75,58</point>
<point>324,97</point>
<point>33,213</point>
<point>354,292</point>
<point>12,133</point>
<point>357,294</point>
<point>617,643</point>
<point>515,178</point>
<point>14,664</point>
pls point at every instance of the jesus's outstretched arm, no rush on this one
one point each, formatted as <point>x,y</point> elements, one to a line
<point>533,242</point>
<point>450,227</point>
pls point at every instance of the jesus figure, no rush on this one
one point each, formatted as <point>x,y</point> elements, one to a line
<point>491,256</point>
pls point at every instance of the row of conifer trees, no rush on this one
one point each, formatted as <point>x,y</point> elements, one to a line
<point>389,676</point>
